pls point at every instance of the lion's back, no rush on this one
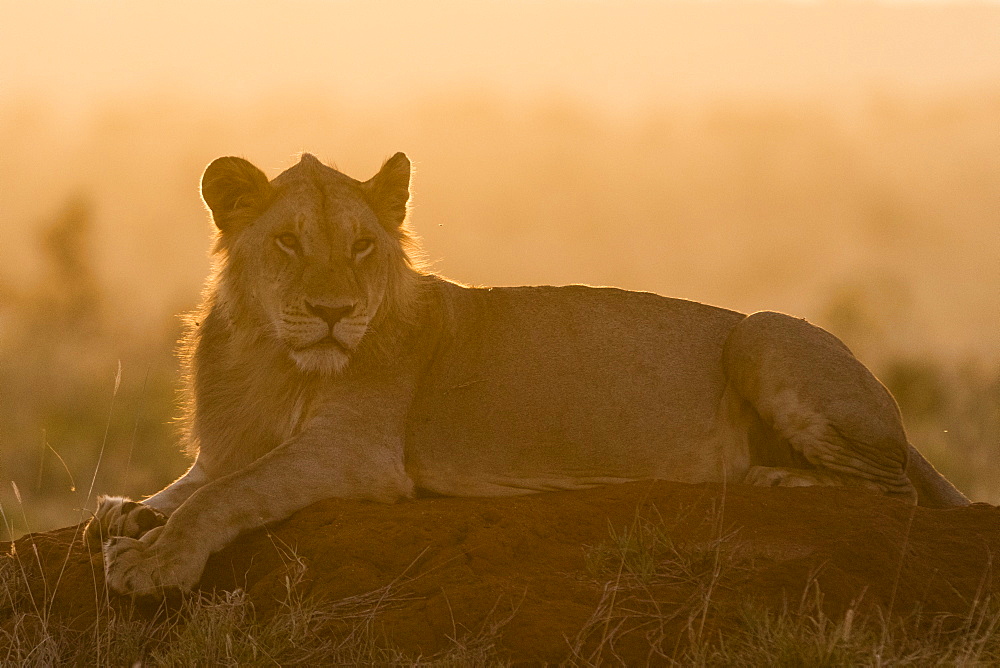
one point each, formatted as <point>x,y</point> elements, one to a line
<point>556,387</point>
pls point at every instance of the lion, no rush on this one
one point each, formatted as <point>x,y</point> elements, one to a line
<point>323,362</point>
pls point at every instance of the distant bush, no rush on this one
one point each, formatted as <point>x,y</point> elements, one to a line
<point>78,391</point>
<point>953,417</point>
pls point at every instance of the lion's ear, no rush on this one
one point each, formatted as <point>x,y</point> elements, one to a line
<point>233,188</point>
<point>389,191</point>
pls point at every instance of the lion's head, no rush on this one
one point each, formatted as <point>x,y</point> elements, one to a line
<point>313,259</point>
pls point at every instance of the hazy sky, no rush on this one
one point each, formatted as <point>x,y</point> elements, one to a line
<point>175,84</point>
<point>617,55</point>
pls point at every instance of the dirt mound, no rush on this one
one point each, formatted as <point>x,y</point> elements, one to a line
<point>564,574</point>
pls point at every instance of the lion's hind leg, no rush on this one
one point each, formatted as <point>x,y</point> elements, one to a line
<point>822,402</point>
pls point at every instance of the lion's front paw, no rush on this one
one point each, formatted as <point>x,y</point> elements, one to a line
<point>118,516</point>
<point>143,568</point>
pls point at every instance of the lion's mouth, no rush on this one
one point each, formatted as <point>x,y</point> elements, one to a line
<point>328,342</point>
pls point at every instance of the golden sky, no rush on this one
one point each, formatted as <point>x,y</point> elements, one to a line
<point>749,154</point>
<point>618,55</point>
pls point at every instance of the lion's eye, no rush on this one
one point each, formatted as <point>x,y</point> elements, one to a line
<point>288,242</point>
<point>362,246</point>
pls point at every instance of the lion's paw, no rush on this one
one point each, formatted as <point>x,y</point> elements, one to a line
<point>144,568</point>
<point>119,516</point>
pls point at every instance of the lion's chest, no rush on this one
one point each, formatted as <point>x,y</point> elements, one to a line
<point>238,422</point>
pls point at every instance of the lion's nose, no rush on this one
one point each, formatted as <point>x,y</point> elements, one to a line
<point>330,314</point>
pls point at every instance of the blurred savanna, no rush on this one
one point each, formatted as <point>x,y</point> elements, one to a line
<point>837,161</point>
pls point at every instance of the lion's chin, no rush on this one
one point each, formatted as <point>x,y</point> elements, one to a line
<point>323,360</point>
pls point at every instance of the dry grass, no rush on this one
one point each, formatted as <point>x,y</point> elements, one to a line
<point>224,629</point>
<point>640,567</point>
<point>659,600</point>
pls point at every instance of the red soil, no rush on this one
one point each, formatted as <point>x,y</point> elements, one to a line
<point>465,563</point>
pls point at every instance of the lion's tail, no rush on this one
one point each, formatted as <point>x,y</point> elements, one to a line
<point>933,489</point>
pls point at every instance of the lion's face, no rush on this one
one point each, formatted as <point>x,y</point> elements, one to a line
<point>309,256</point>
<point>321,260</point>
